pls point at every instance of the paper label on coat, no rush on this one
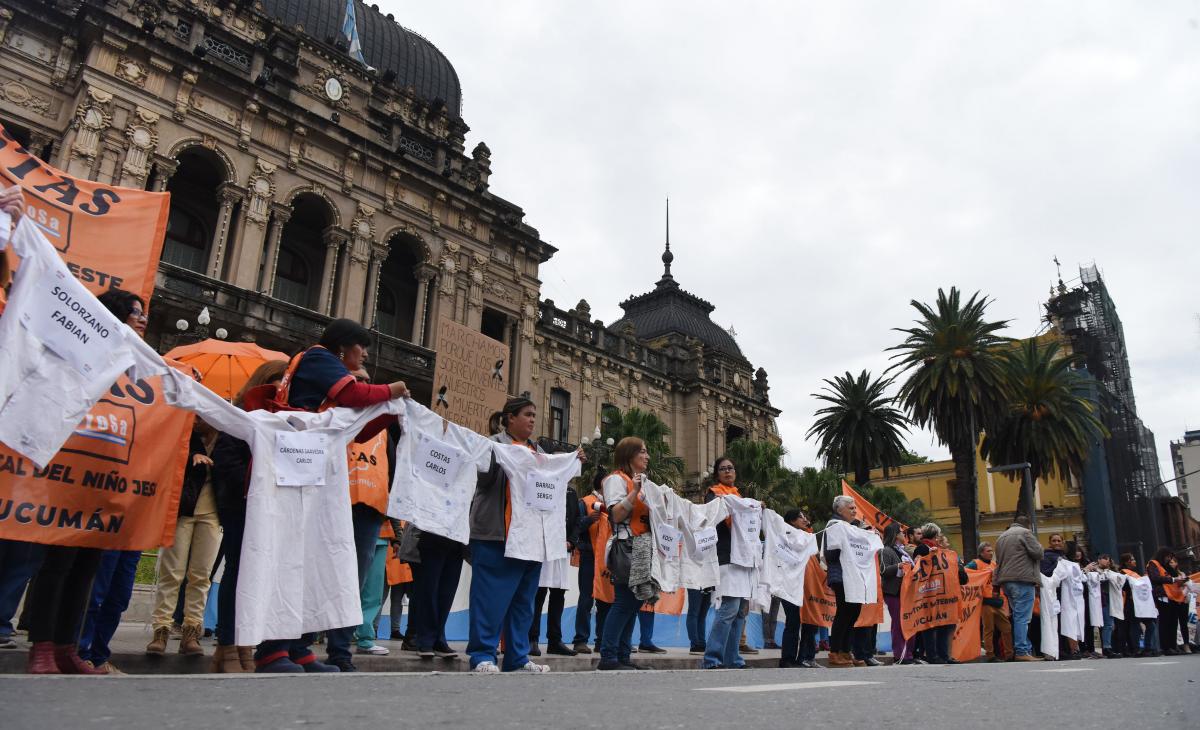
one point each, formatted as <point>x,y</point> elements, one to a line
<point>436,461</point>
<point>705,540</point>
<point>668,537</point>
<point>787,554</point>
<point>60,316</point>
<point>542,492</point>
<point>753,523</point>
<point>300,459</point>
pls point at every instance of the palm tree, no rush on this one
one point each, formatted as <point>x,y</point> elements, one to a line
<point>664,467</point>
<point>860,429</point>
<point>1048,422</point>
<point>759,467</point>
<point>812,490</point>
<point>954,386</point>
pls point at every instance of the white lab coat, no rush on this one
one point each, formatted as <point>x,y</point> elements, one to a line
<point>1048,614</point>
<point>666,516</point>
<point>858,548</point>
<point>1143,596</point>
<point>442,508</point>
<point>785,558</point>
<point>299,567</point>
<point>43,396</point>
<point>1071,600</point>
<point>535,534</point>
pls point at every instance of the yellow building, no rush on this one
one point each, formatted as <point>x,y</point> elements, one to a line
<point>1059,503</point>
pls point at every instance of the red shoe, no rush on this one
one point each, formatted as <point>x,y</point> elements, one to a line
<point>41,659</point>
<point>68,661</point>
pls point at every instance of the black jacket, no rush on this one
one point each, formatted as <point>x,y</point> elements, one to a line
<point>889,569</point>
<point>573,518</point>
<point>194,477</point>
<point>230,475</point>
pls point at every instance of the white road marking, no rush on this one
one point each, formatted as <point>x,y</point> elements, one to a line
<point>1155,664</point>
<point>1071,669</point>
<point>783,687</point>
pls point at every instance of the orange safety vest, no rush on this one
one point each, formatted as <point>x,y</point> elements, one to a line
<point>369,473</point>
<point>639,520</point>
<point>1174,592</point>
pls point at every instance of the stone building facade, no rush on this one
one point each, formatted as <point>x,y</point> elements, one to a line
<point>306,185</point>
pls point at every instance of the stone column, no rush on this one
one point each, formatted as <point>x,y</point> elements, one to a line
<point>164,170</point>
<point>334,239</point>
<point>228,196</point>
<point>280,214</point>
<point>425,274</point>
<point>38,143</point>
<point>379,254</point>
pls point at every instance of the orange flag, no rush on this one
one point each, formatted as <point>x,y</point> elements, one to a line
<point>965,646</point>
<point>867,511</point>
<point>602,587</point>
<point>929,593</point>
<point>820,604</point>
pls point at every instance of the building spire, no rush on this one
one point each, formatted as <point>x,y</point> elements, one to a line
<point>667,256</point>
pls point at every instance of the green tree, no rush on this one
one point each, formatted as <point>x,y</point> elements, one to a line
<point>665,467</point>
<point>860,428</point>
<point>759,468</point>
<point>812,490</point>
<point>912,457</point>
<point>954,386</point>
<point>1048,421</point>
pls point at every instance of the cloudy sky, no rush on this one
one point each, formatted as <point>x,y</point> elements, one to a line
<point>829,162</point>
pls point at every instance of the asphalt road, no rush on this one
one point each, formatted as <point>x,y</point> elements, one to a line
<point>1128,694</point>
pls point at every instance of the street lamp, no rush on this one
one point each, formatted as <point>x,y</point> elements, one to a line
<point>1027,487</point>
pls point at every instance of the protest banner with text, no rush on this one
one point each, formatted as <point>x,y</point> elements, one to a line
<point>820,603</point>
<point>470,381</point>
<point>929,593</point>
<point>967,643</point>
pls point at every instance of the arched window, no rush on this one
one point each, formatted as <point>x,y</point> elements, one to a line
<point>186,243</point>
<point>292,278</point>
<point>385,311</point>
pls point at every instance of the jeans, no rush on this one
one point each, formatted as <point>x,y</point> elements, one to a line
<point>808,642</point>
<point>366,532</point>
<point>618,626</point>
<point>372,595</point>
<point>233,525</point>
<point>502,593</point>
<point>698,603</point>
<point>1135,634</point>
<point>436,586</point>
<point>721,649</point>
<point>646,626</point>
<point>901,648</point>
<point>111,591</point>
<point>840,634</point>
<point>1106,632</point>
<point>18,563</point>
<point>1020,602</point>
<point>769,619</point>
<point>583,609</point>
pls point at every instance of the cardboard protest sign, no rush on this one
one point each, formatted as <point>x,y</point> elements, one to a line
<point>470,381</point>
<point>929,593</point>
<point>965,646</point>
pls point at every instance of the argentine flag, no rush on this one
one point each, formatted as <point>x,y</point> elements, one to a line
<point>350,33</point>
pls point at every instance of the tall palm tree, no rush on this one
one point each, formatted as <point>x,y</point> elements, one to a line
<point>954,385</point>
<point>665,466</point>
<point>759,467</point>
<point>1048,421</point>
<point>860,429</point>
<point>813,490</point>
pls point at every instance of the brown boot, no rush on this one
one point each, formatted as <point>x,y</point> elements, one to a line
<point>41,659</point>
<point>246,657</point>
<point>66,656</point>
<point>225,661</point>
<point>840,659</point>
<point>189,643</point>
<point>158,645</point>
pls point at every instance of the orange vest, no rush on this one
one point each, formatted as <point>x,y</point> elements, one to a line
<point>1173,591</point>
<point>639,520</point>
<point>369,473</point>
<point>593,504</point>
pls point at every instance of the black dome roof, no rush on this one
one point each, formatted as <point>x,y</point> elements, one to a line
<point>386,45</point>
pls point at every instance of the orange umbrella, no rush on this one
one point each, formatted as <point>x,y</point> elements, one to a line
<point>224,366</point>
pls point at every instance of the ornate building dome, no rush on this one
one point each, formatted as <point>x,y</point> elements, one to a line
<point>387,47</point>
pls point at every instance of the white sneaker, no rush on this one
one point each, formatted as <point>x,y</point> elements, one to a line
<point>486,668</point>
<point>532,668</point>
<point>375,650</point>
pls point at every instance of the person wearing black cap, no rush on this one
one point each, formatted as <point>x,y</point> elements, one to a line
<point>318,378</point>
<point>502,589</point>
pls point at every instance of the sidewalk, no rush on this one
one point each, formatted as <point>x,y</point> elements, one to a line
<point>130,642</point>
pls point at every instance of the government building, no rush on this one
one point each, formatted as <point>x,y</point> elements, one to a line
<point>306,185</point>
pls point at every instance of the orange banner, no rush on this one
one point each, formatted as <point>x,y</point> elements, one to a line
<point>369,473</point>
<point>110,237</point>
<point>115,483</point>
<point>600,531</point>
<point>929,593</point>
<point>668,603</point>
<point>820,604</point>
<point>967,642</point>
<point>867,511</point>
<point>871,614</point>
